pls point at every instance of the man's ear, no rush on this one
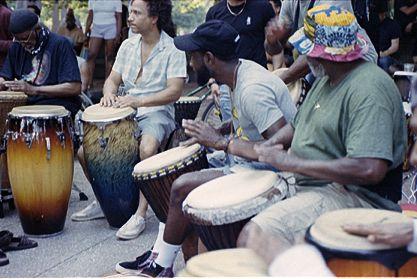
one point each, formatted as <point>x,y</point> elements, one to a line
<point>155,20</point>
<point>209,58</point>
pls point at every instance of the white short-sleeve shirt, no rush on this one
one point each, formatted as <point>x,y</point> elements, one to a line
<point>104,11</point>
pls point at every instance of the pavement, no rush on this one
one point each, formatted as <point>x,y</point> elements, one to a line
<point>84,249</point>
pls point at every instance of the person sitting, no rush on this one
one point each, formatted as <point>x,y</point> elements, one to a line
<point>254,89</point>
<point>72,32</point>
<point>348,138</point>
<point>153,72</point>
<point>41,64</point>
<point>389,39</point>
<point>406,15</point>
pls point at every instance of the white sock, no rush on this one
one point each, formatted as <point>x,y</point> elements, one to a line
<point>159,239</point>
<point>167,254</point>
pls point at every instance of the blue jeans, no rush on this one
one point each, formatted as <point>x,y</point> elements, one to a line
<point>385,62</point>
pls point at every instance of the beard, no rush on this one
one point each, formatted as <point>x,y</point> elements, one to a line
<point>317,69</point>
<point>203,75</point>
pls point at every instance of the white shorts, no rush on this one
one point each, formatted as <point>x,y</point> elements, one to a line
<point>105,31</point>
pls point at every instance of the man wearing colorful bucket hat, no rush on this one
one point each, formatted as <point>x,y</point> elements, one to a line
<point>348,138</point>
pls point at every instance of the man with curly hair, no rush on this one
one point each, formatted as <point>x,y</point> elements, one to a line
<point>153,72</point>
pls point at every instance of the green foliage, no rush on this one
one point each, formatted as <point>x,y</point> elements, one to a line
<point>188,14</point>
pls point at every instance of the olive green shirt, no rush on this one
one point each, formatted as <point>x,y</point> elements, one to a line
<point>361,117</point>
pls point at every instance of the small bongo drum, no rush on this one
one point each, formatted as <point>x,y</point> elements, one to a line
<point>186,108</point>
<point>8,100</point>
<point>155,175</point>
<point>237,262</point>
<point>219,218</point>
<point>352,255</point>
<point>40,159</point>
<point>111,150</point>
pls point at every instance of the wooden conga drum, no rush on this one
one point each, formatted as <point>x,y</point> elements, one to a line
<point>155,175</point>
<point>111,150</point>
<point>40,157</point>
<point>352,255</point>
<point>239,262</point>
<point>220,208</point>
<point>8,100</point>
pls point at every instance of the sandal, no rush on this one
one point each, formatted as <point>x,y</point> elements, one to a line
<point>10,243</point>
<point>3,258</point>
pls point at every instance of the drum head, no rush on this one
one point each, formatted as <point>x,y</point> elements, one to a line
<point>39,111</point>
<point>189,99</point>
<point>11,95</point>
<point>165,159</point>
<point>227,263</point>
<point>327,230</point>
<point>98,113</point>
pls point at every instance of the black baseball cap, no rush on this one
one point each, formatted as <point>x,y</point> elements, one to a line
<point>216,36</point>
<point>22,20</point>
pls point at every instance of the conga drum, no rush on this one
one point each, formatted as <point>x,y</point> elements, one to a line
<point>239,262</point>
<point>8,100</point>
<point>187,108</point>
<point>220,208</point>
<point>111,150</point>
<point>352,255</point>
<point>40,157</point>
<point>155,175</point>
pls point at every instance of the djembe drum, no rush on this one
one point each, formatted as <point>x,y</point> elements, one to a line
<point>352,255</point>
<point>155,175</point>
<point>40,158</point>
<point>111,150</point>
<point>237,262</point>
<point>220,208</point>
<point>186,108</point>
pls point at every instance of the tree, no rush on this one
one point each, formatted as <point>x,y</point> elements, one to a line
<point>188,14</point>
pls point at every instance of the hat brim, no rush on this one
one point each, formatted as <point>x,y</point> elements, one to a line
<point>305,46</point>
<point>186,43</point>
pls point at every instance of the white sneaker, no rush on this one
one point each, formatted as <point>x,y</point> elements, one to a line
<point>132,228</point>
<point>91,212</point>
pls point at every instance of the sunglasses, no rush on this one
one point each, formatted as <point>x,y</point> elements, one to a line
<point>23,41</point>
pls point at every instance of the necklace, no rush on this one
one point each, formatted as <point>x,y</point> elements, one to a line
<point>233,13</point>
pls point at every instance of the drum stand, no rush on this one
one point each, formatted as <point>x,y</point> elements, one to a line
<point>83,197</point>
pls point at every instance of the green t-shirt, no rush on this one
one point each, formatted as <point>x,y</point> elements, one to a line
<point>361,117</point>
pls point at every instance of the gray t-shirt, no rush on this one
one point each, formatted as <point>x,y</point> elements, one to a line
<point>258,101</point>
<point>288,13</point>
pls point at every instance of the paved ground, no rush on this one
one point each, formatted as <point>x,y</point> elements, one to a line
<point>84,249</point>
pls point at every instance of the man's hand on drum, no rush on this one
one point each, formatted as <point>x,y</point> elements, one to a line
<point>127,101</point>
<point>108,100</point>
<point>276,156</point>
<point>21,86</point>
<point>204,134</point>
<point>393,234</point>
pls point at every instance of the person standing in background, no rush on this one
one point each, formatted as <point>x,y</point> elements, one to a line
<point>6,38</point>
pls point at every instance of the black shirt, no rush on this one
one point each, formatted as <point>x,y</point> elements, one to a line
<point>401,17</point>
<point>388,30</point>
<point>250,24</point>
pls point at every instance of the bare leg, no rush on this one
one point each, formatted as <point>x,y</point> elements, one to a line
<point>190,246</point>
<point>109,56</point>
<point>177,225</point>
<point>93,50</point>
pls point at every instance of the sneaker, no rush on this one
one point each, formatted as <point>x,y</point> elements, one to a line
<point>132,228</point>
<point>136,266</point>
<point>91,212</point>
<point>155,270</point>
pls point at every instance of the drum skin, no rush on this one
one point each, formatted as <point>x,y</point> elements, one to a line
<point>110,168</point>
<point>41,187</point>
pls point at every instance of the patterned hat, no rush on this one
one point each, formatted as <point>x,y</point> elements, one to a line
<point>330,33</point>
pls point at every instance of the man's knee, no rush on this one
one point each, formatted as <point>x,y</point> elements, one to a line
<point>148,148</point>
<point>249,231</point>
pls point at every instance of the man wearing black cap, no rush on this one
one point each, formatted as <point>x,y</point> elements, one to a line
<point>41,64</point>
<point>261,106</point>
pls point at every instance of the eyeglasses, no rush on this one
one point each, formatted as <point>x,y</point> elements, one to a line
<point>25,41</point>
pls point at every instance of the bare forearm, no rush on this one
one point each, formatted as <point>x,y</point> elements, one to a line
<point>68,89</point>
<point>297,70</point>
<point>409,10</point>
<point>392,49</point>
<point>119,22</point>
<point>283,136</point>
<point>89,21</point>
<point>110,87</point>
<point>243,149</point>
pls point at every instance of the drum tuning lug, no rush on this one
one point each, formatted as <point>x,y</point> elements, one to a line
<point>61,137</point>
<point>3,144</point>
<point>28,139</point>
<point>103,142</point>
<point>15,136</point>
<point>48,148</point>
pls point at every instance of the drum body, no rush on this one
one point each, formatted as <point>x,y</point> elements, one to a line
<point>219,219</point>
<point>41,163</point>
<point>154,176</point>
<point>186,108</point>
<point>350,255</point>
<point>111,150</point>
<point>8,100</point>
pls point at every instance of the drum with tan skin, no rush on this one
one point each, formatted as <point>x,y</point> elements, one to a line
<point>40,160</point>
<point>155,175</point>
<point>220,208</point>
<point>8,100</point>
<point>352,255</point>
<point>111,150</point>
